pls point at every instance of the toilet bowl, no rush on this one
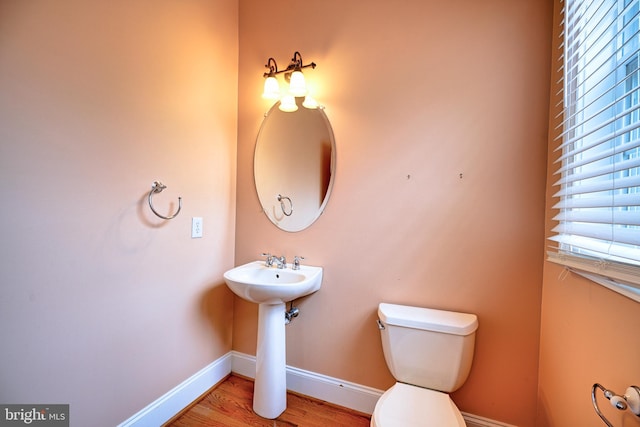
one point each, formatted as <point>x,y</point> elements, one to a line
<point>404,405</point>
<point>429,352</point>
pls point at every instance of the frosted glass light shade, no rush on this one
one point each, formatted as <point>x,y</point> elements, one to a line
<point>271,88</point>
<point>310,103</point>
<point>297,85</point>
<point>288,104</point>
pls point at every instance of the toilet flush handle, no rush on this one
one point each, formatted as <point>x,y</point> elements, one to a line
<point>380,325</point>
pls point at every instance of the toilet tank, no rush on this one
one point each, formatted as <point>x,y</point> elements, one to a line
<point>426,347</point>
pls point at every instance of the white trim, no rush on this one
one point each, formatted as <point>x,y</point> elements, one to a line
<point>616,271</point>
<point>243,364</point>
<point>476,421</point>
<point>622,289</point>
<point>333,390</point>
<point>600,273</point>
<point>178,398</point>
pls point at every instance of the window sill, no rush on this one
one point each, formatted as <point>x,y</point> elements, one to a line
<point>600,274</point>
<point>626,290</point>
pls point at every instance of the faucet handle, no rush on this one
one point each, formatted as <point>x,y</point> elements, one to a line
<point>296,262</point>
<point>269,261</point>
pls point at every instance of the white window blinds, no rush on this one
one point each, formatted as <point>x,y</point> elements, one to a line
<point>598,183</point>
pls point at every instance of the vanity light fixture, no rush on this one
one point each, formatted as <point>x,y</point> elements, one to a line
<point>271,85</point>
<point>288,104</point>
<point>297,85</point>
<point>310,103</point>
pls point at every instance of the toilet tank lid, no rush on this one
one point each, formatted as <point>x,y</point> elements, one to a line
<point>428,319</point>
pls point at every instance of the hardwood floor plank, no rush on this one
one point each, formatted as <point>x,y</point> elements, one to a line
<point>230,405</point>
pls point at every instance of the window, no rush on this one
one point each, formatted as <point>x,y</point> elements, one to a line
<point>598,185</point>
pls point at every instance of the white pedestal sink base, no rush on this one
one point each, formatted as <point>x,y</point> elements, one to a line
<point>270,288</point>
<point>270,386</point>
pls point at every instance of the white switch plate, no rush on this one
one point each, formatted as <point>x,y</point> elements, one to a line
<point>196,227</point>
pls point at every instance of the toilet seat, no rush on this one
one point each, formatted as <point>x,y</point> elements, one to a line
<point>405,405</point>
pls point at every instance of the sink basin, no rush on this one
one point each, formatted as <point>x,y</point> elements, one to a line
<point>258,283</point>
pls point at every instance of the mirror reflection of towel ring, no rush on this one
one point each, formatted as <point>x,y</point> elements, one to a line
<point>157,187</point>
<point>281,199</point>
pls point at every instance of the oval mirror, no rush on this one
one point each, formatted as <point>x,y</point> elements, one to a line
<point>294,166</point>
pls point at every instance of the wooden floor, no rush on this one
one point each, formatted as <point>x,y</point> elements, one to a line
<point>230,403</point>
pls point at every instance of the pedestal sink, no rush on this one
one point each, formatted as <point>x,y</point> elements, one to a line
<point>271,288</point>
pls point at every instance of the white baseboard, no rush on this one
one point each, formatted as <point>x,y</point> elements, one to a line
<point>178,398</point>
<point>476,421</point>
<point>333,390</point>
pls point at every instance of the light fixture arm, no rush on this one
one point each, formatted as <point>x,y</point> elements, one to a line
<point>273,68</point>
<point>296,64</point>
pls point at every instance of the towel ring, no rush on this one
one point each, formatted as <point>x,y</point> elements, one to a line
<point>281,199</point>
<point>157,187</point>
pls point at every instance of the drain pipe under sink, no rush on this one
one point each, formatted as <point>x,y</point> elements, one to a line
<point>289,315</point>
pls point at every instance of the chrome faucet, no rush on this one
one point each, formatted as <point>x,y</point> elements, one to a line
<point>281,262</point>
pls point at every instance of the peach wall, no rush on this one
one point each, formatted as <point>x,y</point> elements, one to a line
<point>440,115</point>
<point>103,305</point>
<point>588,335</point>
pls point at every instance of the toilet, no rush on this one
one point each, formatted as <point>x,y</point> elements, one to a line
<point>429,353</point>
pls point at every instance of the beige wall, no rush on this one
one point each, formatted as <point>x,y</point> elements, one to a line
<point>418,93</point>
<point>106,307</point>
<point>103,305</point>
<point>588,335</point>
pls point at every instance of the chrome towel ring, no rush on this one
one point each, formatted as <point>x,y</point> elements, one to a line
<point>630,400</point>
<point>281,199</point>
<point>157,187</point>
